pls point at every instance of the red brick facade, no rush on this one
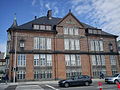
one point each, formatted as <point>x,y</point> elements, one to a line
<point>58,52</point>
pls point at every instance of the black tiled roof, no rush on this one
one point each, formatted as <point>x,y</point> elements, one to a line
<point>41,20</point>
<point>54,21</point>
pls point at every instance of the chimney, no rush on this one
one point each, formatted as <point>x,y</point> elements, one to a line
<point>35,17</point>
<point>49,14</point>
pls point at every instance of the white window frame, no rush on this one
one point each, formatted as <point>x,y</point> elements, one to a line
<point>35,26</point>
<point>21,62</point>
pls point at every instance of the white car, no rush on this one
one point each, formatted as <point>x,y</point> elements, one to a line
<point>113,79</point>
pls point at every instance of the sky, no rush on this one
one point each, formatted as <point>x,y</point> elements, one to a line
<point>103,14</point>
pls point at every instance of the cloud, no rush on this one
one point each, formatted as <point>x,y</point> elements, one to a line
<point>33,2</point>
<point>47,5</point>
<point>3,47</point>
<point>105,12</point>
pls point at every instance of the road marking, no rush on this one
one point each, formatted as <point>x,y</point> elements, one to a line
<point>52,87</point>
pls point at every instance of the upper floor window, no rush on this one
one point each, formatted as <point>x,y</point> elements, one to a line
<point>43,60</point>
<point>71,44</point>
<point>21,60</point>
<point>42,27</point>
<point>72,60</point>
<point>48,27</point>
<point>91,31</point>
<point>42,43</point>
<point>111,47</point>
<point>71,31</point>
<point>22,44</point>
<point>98,60</point>
<point>112,60</point>
<point>35,26</point>
<point>96,45</point>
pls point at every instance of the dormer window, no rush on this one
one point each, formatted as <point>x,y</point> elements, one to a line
<point>35,26</point>
<point>48,27</point>
<point>42,27</point>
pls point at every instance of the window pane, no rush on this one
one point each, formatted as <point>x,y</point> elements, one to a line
<point>48,43</point>
<point>77,44</point>
<point>36,27</point>
<point>66,44</point>
<point>48,27</point>
<point>42,27</point>
<point>65,30</point>
<point>72,47</point>
<point>76,31</point>
<point>71,31</point>
<point>36,42</point>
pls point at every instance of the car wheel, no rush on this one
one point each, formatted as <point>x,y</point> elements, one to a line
<point>86,83</point>
<point>116,81</point>
<point>66,85</point>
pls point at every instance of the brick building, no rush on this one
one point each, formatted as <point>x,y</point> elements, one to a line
<point>56,48</point>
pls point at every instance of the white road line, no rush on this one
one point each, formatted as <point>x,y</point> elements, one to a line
<point>52,87</point>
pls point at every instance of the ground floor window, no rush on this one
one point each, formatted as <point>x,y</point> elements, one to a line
<point>42,74</point>
<point>98,65</point>
<point>73,72</point>
<point>21,75</point>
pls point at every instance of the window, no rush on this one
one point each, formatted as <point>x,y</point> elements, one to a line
<point>36,74</point>
<point>42,60</point>
<point>48,43</point>
<point>36,42</point>
<point>21,60</point>
<point>112,60</point>
<point>76,31</point>
<point>36,26</point>
<point>42,43</point>
<point>90,31</point>
<point>78,61</point>
<point>42,27</point>
<point>96,45</point>
<point>36,60</point>
<point>45,74</point>
<point>71,31</point>
<point>66,44</point>
<point>111,47</point>
<point>21,74</point>
<point>77,45</point>
<point>67,59</point>
<point>66,30</point>
<point>49,60</point>
<point>101,45</point>
<point>22,44</point>
<point>71,44</point>
<point>73,62</point>
<point>98,60</point>
<point>93,60</point>
<point>48,27</point>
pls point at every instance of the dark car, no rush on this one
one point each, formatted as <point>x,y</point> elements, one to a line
<point>76,81</point>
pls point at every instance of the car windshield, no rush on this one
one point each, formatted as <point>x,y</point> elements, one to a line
<point>115,75</point>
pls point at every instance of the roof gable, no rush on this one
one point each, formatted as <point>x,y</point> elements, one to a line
<point>70,17</point>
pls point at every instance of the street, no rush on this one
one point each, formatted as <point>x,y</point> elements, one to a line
<point>54,86</point>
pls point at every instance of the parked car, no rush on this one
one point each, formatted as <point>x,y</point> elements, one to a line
<point>113,79</point>
<point>76,81</point>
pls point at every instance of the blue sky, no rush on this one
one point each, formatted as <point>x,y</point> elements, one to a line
<point>104,14</point>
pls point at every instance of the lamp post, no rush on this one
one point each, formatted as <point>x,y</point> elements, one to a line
<point>14,69</point>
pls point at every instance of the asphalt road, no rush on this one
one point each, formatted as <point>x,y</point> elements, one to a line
<point>48,86</point>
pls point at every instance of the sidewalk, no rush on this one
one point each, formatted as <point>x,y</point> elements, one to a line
<point>42,82</point>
